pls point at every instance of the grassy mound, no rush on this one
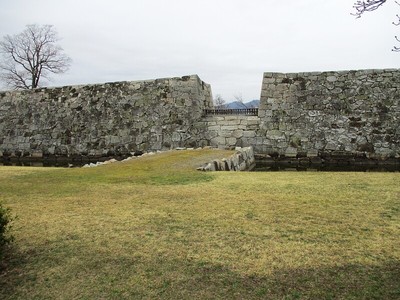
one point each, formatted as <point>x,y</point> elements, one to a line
<point>155,227</point>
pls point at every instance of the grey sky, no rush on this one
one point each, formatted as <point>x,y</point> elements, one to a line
<point>228,43</point>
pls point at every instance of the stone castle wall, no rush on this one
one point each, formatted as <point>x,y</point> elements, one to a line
<point>104,119</point>
<point>319,114</point>
<point>300,114</point>
<point>331,112</point>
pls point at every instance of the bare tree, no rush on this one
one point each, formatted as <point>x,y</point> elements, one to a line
<point>239,98</point>
<point>219,102</point>
<point>30,56</point>
<point>370,5</point>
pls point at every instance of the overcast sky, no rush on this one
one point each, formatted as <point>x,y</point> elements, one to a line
<point>228,43</point>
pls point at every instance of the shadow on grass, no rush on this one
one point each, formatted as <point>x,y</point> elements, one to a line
<point>350,281</point>
<point>165,278</point>
<point>12,270</point>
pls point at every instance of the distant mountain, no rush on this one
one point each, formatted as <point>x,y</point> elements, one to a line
<point>238,105</point>
<point>253,103</point>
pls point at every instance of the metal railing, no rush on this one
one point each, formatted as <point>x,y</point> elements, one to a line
<point>236,111</point>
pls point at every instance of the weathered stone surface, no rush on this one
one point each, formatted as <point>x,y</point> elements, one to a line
<point>351,111</point>
<point>355,112</point>
<point>115,117</point>
<point>291,152</point>
<point>242,160</point>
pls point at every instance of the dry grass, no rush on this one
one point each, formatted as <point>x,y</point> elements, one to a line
<point>156,228</point>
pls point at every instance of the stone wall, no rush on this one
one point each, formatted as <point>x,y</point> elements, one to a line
<point>229,131</point>
<point>326,113</point>
<point>347,113</point>
<point>104,119</point>
<point>301,115</point>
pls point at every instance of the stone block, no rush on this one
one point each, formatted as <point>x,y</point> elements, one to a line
<point>237,133</point>
<point>249,134</point>
<point>312,153</point>
<point>51,150</point>
<point>229,127</point>
<point>176,137</point>
<point>266,92</point>
<point>275,135</point>
<point>225,133</point>
<point>214,128</point>
<point>291,152</point>
<point>246,142</point>
<point>231,117</point>
<point>253,122</point>
<point>331,78</point>
<point>115,139</point>
<point>331,146</point>
<point>261,113</point>
<point>218,141</point>
<point>234,122</point>
<point>231,141</point>
<point>37,154</point>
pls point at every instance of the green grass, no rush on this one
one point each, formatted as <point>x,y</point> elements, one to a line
<point>156,228</point>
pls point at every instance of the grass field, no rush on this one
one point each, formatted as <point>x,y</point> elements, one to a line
<point>155,228</point>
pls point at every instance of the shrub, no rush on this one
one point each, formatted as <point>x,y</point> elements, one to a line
<point>5,225</point>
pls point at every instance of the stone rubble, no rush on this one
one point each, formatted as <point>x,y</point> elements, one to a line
<point>242,160</point>
<point>113,160</point>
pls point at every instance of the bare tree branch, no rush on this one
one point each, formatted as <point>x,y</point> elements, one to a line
<point>30,56</point>
<point>395,48</point>
<point>239,98</point>
<point>219,102</point>
<point>371,5</point>
<point>398,21</point>
<point>364,6</point>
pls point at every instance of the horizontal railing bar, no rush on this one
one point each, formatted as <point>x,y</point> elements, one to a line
<point>231,111</point>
